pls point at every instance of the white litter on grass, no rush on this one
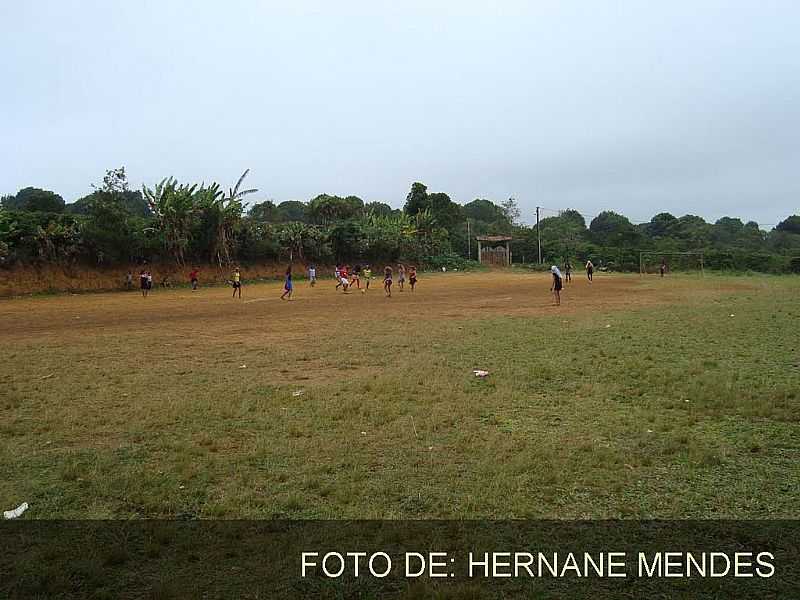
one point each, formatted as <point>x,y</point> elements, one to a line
<point>480,373</point>
<point>243,367</point>
<point>363,433</point>
<point>298,393</point>
<point>649,431</point>
<point>608,325</point>
<point>17,512</point>
<point>733,315</point>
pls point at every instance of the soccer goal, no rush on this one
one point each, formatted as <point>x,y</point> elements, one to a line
<point>653,262</point>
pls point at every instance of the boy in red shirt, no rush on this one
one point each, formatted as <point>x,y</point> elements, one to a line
<point>193,277</point>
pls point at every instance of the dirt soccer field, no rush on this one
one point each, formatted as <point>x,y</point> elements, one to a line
<point>636,398</point>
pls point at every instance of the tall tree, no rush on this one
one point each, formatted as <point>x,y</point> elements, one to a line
<point>417,199</point>
<point>612,229</point>
<point>292,210</point>
<point>34,200</point>
<point>265,211</point>
<point>789,225</point>
<point>511,210</point>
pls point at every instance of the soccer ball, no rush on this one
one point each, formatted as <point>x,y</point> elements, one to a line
<point>363,291</point>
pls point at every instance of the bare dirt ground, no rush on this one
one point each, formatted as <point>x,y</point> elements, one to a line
<point>211,312</point>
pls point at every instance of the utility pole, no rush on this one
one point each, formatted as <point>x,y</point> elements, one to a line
<point>538,235</point>
<point>469,242</point>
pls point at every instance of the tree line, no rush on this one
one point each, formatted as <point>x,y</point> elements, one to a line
<point>198,222</point>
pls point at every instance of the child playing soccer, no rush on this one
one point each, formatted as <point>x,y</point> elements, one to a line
<point>344,278</point>
<point>557,284</point>
<point>193,278</point>
<point>287,285</point>
<point>337,274</point>
<point>567,272</point>
<point>589,270</point>
<point>412,277</point>
<point>312,275</point>
<point>143,283</point>
<point>355,278</point>
<point>387,281</point>
<point>367,276</point>
<point>236,282</point>
<point>401,275</point>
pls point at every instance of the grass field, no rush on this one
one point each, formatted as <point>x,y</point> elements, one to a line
<point>636,398</point>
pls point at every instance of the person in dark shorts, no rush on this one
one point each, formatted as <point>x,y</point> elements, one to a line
<point>567,272</point>
<point>367,276</point>
<point>412,277</point>
<point>143,283</point>
<point>589,270</point>
<point>557,284</point>
<point>193,278</point>
<point>129,281</point>
<point>663,268</point>
<point>236,282</point>
<point>387,281</point>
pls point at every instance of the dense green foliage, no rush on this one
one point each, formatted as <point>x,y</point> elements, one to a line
<point>199,222</point>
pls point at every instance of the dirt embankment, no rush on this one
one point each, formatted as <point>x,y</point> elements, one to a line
<point>33,279</point>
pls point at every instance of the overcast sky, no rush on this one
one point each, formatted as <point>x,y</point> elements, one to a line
<point>639,107</point>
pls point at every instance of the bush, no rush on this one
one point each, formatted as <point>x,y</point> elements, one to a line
<point>451,262</point>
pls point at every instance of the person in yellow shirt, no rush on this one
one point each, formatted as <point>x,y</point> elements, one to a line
<point>367,276</point>
<point>236,282</point>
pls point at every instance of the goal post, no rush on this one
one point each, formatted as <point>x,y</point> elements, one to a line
<point>683,261</point>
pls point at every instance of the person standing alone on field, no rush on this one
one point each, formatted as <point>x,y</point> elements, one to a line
<point>193,278</point>
<point>567,272</point>
<point>663,268</point>
<point>312,275</point>
<point>557,284</point>
<point>589,270</point>
<point>236,282</point>
<point>287,285</point>
<point>129,281</point>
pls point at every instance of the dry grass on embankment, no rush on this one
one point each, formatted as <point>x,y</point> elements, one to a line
<point>37,279</point>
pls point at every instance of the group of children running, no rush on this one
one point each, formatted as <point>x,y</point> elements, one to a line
<point>346,278</point>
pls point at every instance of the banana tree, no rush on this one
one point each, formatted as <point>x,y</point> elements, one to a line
<point>225,213</point>
<point>174,207</point>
